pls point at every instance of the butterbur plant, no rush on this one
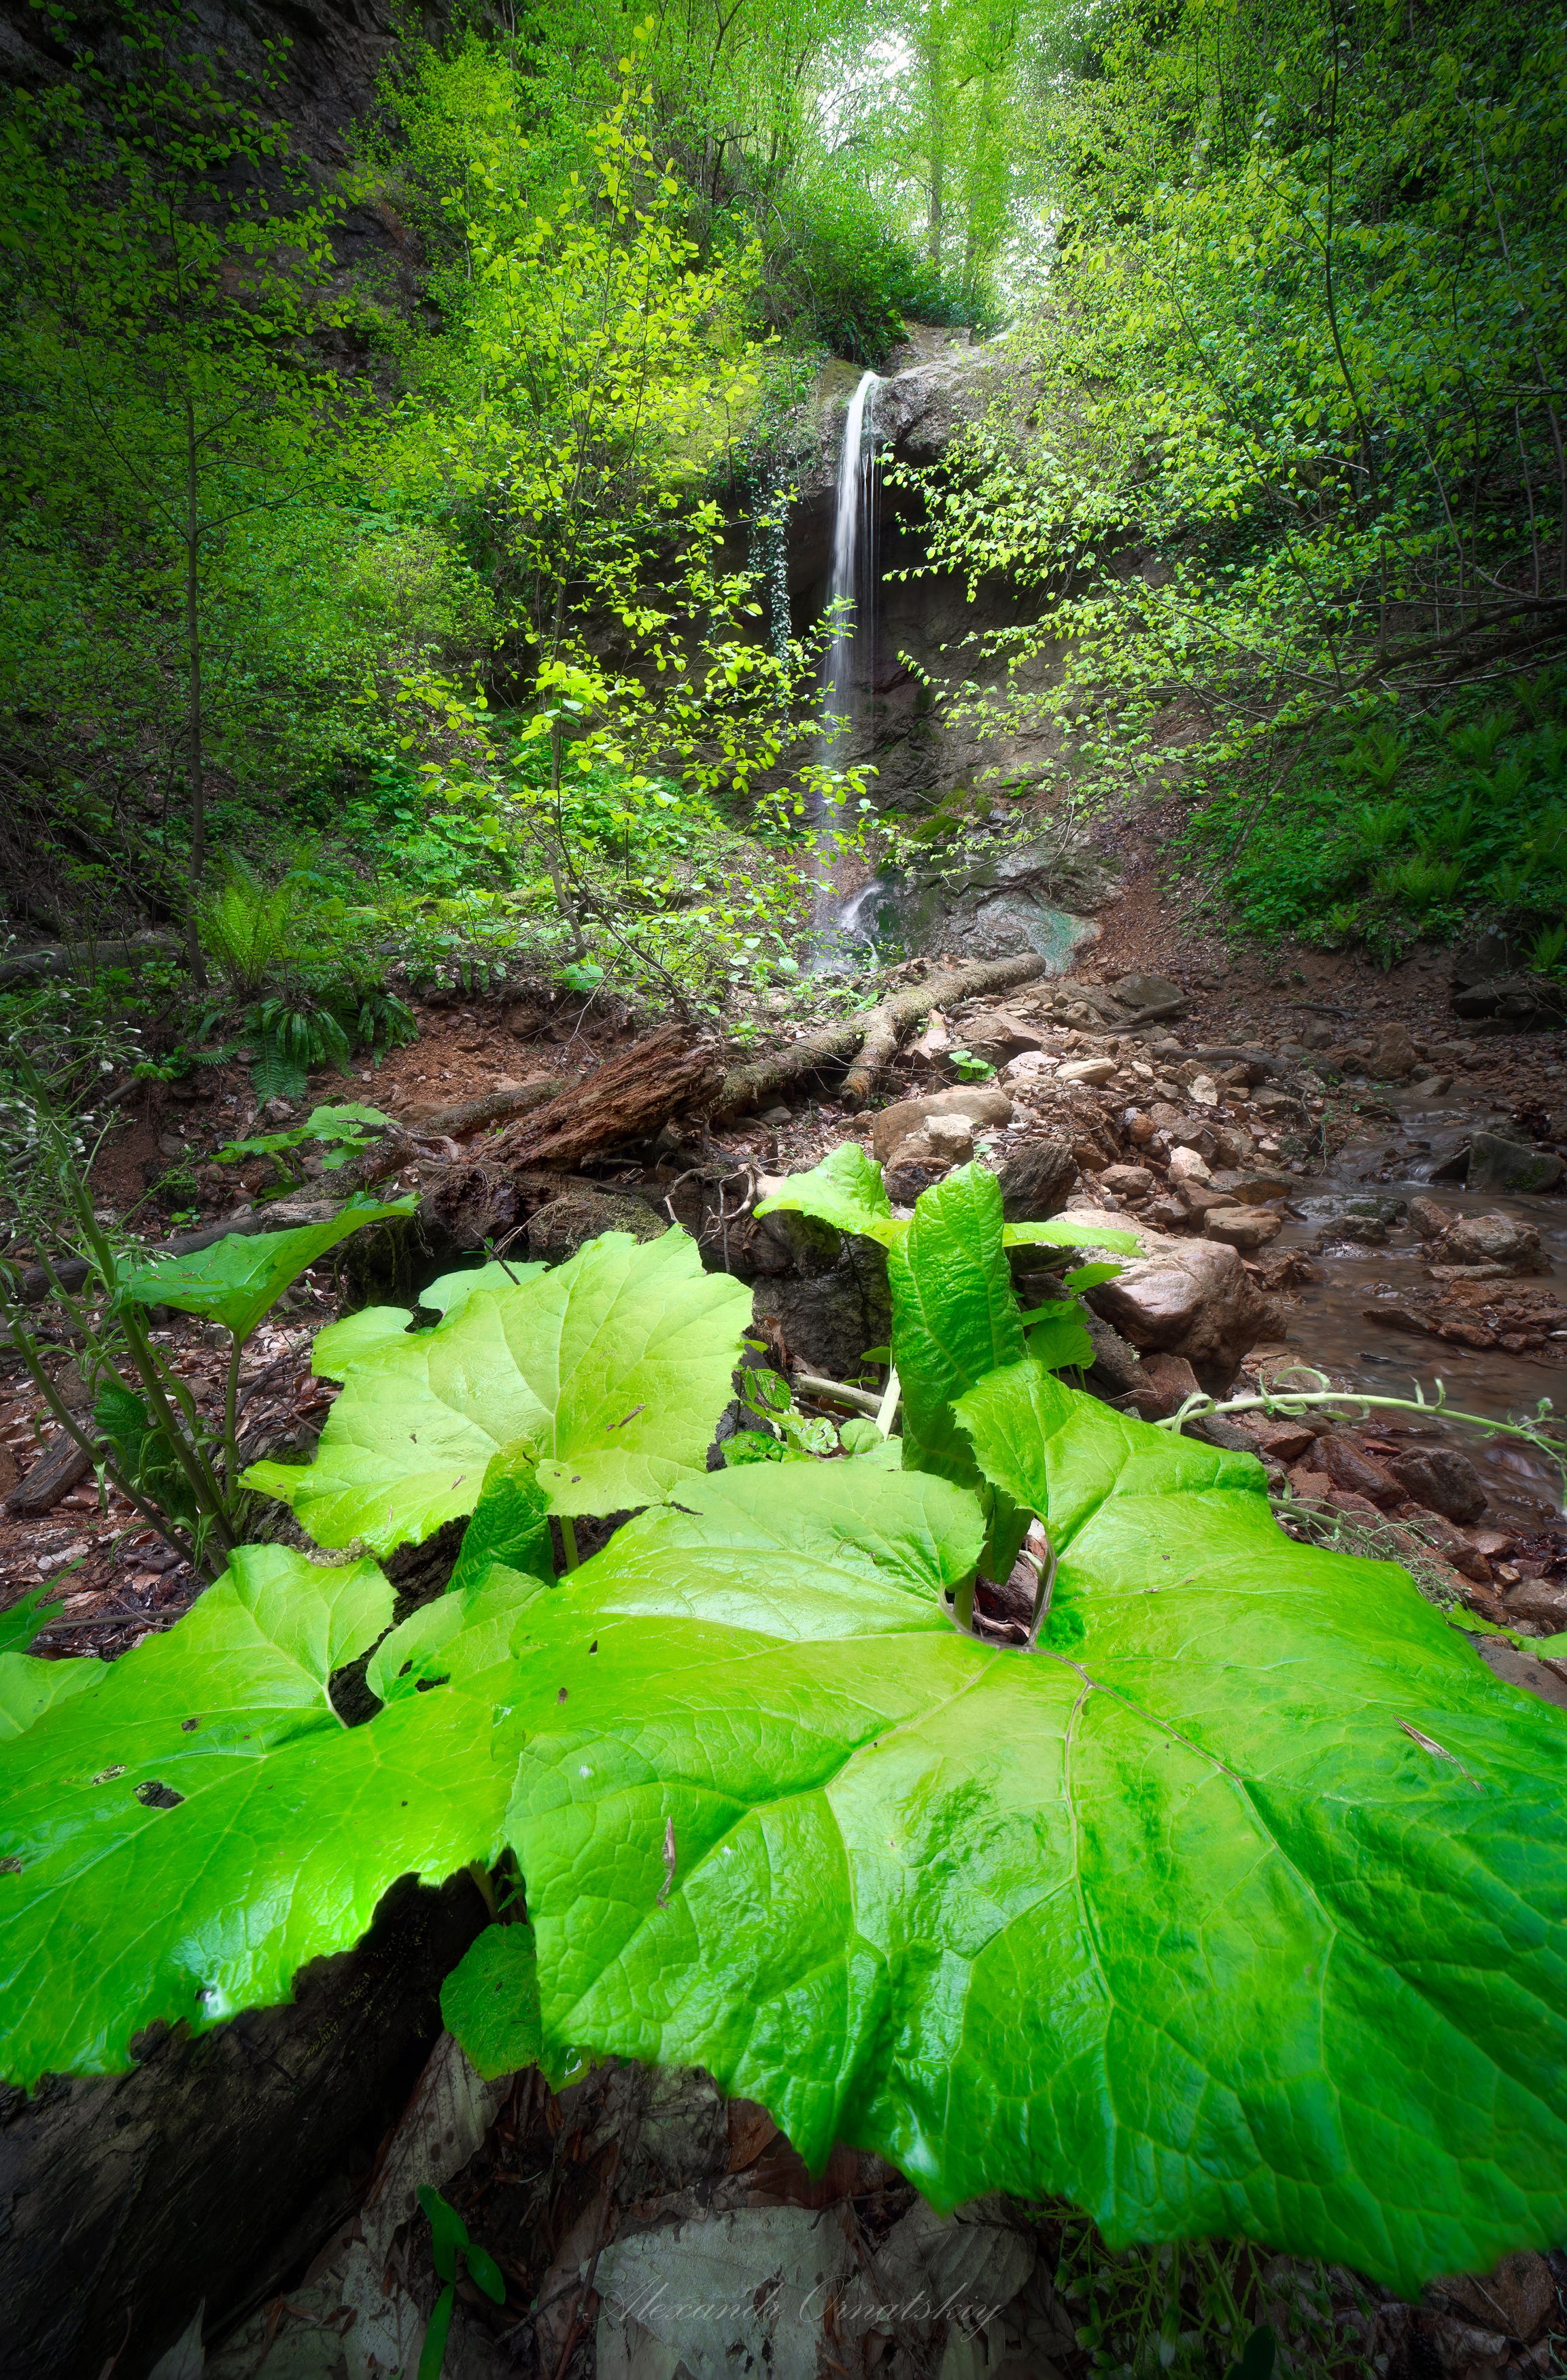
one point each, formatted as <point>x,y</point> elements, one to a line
<point>1231,1904</point>
<point>145,1433</point>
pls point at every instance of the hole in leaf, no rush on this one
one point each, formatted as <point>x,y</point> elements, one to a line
<point>11,1866</point>
<point>154,1796</point>
<point>188,1726</point>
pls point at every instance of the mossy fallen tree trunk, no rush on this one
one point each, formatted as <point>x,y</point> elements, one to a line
<point>870,1039</point>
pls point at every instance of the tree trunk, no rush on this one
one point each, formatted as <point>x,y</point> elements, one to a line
<point>216,2167</point>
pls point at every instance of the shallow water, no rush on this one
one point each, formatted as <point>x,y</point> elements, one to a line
<point>1328,1329</point>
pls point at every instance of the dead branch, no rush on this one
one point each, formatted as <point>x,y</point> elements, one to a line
<point>874,1033</point>
<point>626,1099</point>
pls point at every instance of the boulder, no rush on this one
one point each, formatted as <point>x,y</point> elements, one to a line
<point>1029,1066</point>
<point>1036,1180</point>
<point>1491,1239</point>
<point>1086,1070</point>
<point>1541,1601</point>
<point>977,1102</point>
<point>1246,1228</point>
<point>828,1320</point>
<point>1392,1055</point>
<point>1427,1218</point>
<point>913,1166</point>
<point>1349,1466</point>
<point>1126,1181</point>
<point>997,1035</point>
<point>1192,1298</point>
<point>1496,1163</point>
<point>1524,1002</point>
<point>1441,1479</point>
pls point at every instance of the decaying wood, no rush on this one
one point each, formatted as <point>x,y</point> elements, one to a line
<point>626,1099</point>
<point>215,2168</point>
<point>491,1107</point>
<point>61,1465</point>
<point>874,1034</point>
<point>48,959</point>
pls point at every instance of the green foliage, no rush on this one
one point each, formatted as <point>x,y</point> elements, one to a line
<point>240,1278</point>
<point>342,1132</point>
<point>449,2242</point>
<point>609,1373</point>
<point>1299,284</point>
<point>1239,1839</point>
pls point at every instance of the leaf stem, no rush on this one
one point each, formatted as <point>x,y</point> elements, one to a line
<point>887,1410</point>
<point>568,1541</point>
<point>1292,1401</point>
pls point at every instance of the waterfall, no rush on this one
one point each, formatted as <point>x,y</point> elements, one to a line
<point>851,597</point>
<point>852,592</point>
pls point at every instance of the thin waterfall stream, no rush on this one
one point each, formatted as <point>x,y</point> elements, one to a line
<point>851,598</point>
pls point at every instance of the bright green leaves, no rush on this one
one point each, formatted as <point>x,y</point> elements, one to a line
<point>240,1278</point>
<point>845,1190</point>
<point>490,2001</point>
<point>954,1318</point>
<point>608,1373</point>
<point>1242,1912</point>
<point>30,1687</point>
<point>175,1845</point>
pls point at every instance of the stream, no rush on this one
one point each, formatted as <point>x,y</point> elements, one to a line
<point>1328,1329</point>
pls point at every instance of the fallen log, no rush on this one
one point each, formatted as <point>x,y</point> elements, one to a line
<point>491,1107</point>
<point>216,2166</point>
<point>874,1033</point>
<point>626,1099</point>
<point>49,959</point>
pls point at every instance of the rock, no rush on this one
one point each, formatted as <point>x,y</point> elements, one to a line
<point>1187,1165</point>
<point>1491,1239</point>
<point>913,1166</point>
<point>1037,1179</point>
<point>1444,1480</point>
<point>997,1035</point>
<point>1521,1670</point>
<point>1392,1055</point>
<point>827,1320</point>
<point>1254,1189</point>
<point>558,1229</point>
<point>1165,1384</point>
<point>1243,1227</point>
<point>1116,1371</point>
<point>1541,1600</point>
<point>1524,1003</point>
<point>776,1116</point>
<point>1029,1066</point>
<point>1286,1441</point>
<point>1140,1128</point>
<point>1137,991</point>
<point>989,908</point>
<point>1359,1474</point>
<point>952,1136</point>
<point>977,1102</point>
<point>1205,1091</point>
<point>1499,1164</point>
<point>1198,1199</point>
<point>1519,2297</point>
<point>1127,1181</point>
<point>1192,1298</point>
<point>1166,1214</point>
<point>1427,1218</point>
<point>1086,1070</point>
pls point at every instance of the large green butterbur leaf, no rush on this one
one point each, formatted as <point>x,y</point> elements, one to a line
<point>846,1190</point>
<point>954,1318</point>
<point>176,1844</point>
<point>239,1279</point>
<point>610,1373</point>
<point>1238,1908</point>
<point>213,1826</point>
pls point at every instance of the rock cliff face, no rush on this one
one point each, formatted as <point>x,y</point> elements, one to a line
<point>942,380</point>
<point>334,52</point>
